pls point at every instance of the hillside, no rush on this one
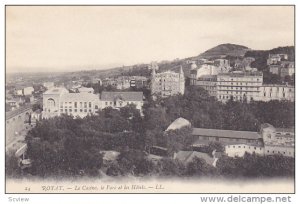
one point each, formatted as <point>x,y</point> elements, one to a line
<point>225,49</point>
<point>261,56</point>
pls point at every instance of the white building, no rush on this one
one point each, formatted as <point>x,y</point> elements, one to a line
<point>269,141</point>
<point>202,70</point>
<point>239,86</point>
<point>121,99</point>
<point>167,83</point>
<point>59,101</point>
<point>276,58</point>
<point>270,92</point>
<point>26,91</point>
<point>278,140</point>
<point>236,143</point>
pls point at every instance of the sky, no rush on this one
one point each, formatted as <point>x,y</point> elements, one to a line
<point>72,38</point>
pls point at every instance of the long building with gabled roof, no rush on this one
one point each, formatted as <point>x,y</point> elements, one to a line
<point>57,101</point>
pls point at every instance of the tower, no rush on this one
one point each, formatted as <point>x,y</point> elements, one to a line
<point>181,81</point>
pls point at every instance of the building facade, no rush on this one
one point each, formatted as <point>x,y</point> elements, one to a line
<point>59,101</point>
<point>207,82</point>
<point>270,92</point>
<point>239,86</point>
<point>278,140</point>
<point>167,83</point>
<point>121,99</point>
<point>268,141</point>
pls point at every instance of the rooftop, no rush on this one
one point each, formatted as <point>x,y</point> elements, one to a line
<point>179,123</point>
<point>79,97</point>
<point>226,133</point>
<point>188,156</point>
<point>127,96</point>
<point>241,74</point>
<point>57,90</point>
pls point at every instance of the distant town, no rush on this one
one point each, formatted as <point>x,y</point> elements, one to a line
<point>228,114</point>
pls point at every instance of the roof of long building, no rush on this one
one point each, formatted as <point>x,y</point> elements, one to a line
<point>127,96</point>
<point>226,133</point>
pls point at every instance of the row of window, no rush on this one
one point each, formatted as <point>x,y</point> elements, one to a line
<point>70,104</point>
<point>270,95</point>
<point>277,89</point>
<point>244,147</point>
<point>234,97</point>
<point>75,110</point>
<point>239,88</point>
<point>227,139</point>
<point>120,103</point>
<point>275,152</point>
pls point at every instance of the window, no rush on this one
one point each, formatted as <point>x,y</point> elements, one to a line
<point>70,110</point>
<point>66,110</point>
<point>85,110</point>
<point>90,104</point>
<point>85,104</point>
<point>233,146</point>
<point>61,104</point>
<point>61,110</point>
<point>80,110</point>
<point>96,107</point>
<point>75,110</point>
<point>75,104</point>
<point>80,104</point>
<point>90,110</point>
<point>239,146</point>
<point>106,103</point>
<point>244,147</point>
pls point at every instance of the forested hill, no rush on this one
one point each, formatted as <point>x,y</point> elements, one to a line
<point>225,50</point>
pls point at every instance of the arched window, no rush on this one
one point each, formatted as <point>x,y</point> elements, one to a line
<point>50,103</point>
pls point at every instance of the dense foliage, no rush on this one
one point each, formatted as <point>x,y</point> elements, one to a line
<point>69,146</point>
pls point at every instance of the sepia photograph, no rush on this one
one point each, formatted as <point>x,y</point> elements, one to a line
<point>149,99</point>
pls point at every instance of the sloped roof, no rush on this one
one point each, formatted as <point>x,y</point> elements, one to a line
<point>85,89</point>
<point>226,133</point>
<point>179,123</point>
<point>84,96</point>
<point>127,96</point>
<point>57,90</point>
<point>188,156</point>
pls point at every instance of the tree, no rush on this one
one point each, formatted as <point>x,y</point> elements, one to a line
<point>37,106</point>
<point>12,169</point>
<point>170,167</point>
<point>198,167</point>
<point>177,140</point>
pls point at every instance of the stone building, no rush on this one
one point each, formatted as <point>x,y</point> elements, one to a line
<point>167,83</point>
<point>239,86</point>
